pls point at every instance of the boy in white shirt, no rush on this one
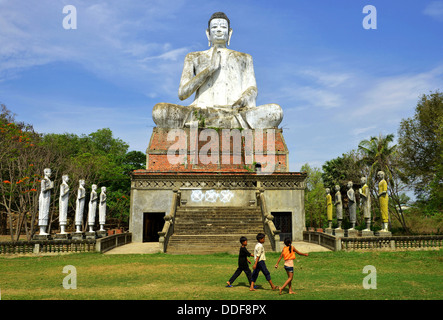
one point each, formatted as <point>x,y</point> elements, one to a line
<point>259,264</point>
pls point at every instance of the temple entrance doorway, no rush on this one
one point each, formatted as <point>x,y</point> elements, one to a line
<point>283,222</point>
<point>152,224</point>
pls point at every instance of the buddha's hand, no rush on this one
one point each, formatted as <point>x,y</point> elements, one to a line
<point>215,60</point>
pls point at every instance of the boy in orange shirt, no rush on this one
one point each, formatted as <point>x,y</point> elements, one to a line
<point>288,254</point>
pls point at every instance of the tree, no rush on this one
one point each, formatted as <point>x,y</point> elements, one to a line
<point>421,150</point>
<point>22,159</point>
<point>98,158</point>
<point>315,196</point>
<point>378,154</point>
<point>342,169</point>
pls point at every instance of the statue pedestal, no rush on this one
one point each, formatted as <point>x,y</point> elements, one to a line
<point>339,232</point>
<point>367,233</point>
<point>382,233</point>
<point>78,236</point>
<point>41,237</point>
<point>61,236</point>
<point>351,233</point>
<point>91,235</point>
<point>241,160</point>
<point>101,234</point>
<point>328,231</point>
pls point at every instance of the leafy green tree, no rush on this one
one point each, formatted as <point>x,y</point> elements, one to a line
<point>98,158</point>
<point>421,149</point>
<point>379,154</point>
<point>342,169</point>
<point>376,153</point>
<point>315,196</point>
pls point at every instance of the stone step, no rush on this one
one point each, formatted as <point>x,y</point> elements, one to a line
<point>219,208</point>
<point>209,220</point>
<point>218,212</point>
<point>205,244</point>
<point>202,230</point>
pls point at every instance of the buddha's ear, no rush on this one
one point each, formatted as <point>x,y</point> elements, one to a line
<point>229,36</point>
<point>209,39</point>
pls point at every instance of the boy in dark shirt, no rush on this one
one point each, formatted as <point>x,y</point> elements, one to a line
<point>242,262</point>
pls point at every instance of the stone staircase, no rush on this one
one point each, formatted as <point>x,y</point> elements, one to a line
<point>205,230</point>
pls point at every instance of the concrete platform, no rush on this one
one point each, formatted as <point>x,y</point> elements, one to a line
<point>153,247</point>
<point>136,248</point>
<point>307,247</point>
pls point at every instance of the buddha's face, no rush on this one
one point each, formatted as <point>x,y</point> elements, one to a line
<point>218,32</point>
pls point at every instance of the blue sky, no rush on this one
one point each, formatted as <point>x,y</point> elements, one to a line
<point>337,82</point>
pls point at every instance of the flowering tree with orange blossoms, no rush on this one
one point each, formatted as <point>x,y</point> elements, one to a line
<point>19,167</point>
<point>97,158</point>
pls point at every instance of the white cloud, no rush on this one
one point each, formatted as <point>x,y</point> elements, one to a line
<point>434,10</point>
<point>115,41</point>
<point>391,94</point>
<point>360,131</point>
<point>327,79</point>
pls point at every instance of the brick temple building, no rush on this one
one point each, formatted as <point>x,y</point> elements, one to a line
<point>204,188</point>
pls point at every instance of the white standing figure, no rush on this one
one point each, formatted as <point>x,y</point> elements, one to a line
<point>44,201</point>
<point>63,204</point>
<point>80,205</point>
<point>102,209</point>
<point>92,208</point>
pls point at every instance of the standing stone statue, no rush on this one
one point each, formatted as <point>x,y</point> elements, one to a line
<point>338,206</point>
<point>329,207</point>
<point>383,200</point>
<point>63,204</point>
<point>79,206</point>
<point>44,201</point>
<point>365,197</point>
<point>92,210</point>
<point>224,84</point>
<point>102,209</point>
<point>351,205</point>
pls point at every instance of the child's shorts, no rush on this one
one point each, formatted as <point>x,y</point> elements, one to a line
<point>289,269</point>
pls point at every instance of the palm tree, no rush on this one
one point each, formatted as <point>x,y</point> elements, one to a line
<point>377,153</point>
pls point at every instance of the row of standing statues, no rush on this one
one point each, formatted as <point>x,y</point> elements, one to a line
<point>45,200</point>
<point>365,202</point>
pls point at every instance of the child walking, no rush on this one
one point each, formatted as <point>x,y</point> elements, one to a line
<point>242,262</point>
<point>288,254</point>
<point>259,264</point>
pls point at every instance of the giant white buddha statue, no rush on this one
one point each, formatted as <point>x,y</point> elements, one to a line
<point>225,88</point>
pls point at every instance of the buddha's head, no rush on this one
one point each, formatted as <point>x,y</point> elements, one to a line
<point>219,30</point>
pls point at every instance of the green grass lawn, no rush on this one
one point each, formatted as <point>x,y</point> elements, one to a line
<point>322,275</point>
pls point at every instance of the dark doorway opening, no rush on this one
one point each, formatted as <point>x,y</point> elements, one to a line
<point>283,222</point>
<point>152,224</point>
